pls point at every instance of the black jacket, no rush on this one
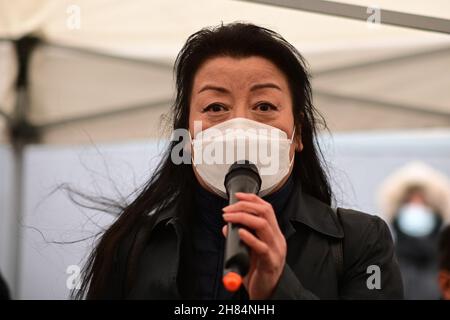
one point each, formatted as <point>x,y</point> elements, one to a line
<point>162,268</point>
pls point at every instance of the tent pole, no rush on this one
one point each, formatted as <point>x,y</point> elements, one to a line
<point>17,198</point>
<point>383,61</point>
<point>21,133</point>
<point>425,110</point>
<point>15,245</point>
<point>389,17</point>
<point>103,114</point>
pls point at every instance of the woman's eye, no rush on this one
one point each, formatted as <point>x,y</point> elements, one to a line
<point>264,107</point>
<point>214,107</point>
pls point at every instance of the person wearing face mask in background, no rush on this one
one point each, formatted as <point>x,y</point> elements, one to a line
<point>416,200</point>
<point>241,79</point>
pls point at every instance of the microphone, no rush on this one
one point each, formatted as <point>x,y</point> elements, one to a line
<point>242,176</point>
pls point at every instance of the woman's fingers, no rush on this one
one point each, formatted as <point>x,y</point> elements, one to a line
<point>264,210</point>
<point>250,207</point>
<point>250,197</point>
<point>259,225</point>
<point>255,244</point>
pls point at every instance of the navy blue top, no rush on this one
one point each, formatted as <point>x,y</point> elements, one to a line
<point>209,242</point>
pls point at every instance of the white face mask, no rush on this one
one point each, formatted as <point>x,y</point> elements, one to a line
<point>416,220</point>
<point>217,148</point>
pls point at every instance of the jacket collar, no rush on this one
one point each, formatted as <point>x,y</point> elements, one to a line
<point>307,210</point>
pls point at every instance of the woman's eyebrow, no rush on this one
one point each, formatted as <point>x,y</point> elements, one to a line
<point>253,88</point>
<point>264,86</point>
<point>214,88</point>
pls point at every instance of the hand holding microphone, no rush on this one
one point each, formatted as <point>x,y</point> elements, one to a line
<point>241,177</point>
<point>266,242</point>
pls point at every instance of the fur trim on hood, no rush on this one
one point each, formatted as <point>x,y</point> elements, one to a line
<point>436,188</point>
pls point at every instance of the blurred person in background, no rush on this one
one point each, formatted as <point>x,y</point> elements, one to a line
<point>444,263</point>
<point>415,200</point>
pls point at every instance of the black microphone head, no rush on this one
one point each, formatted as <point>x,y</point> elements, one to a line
<point>243,169</point>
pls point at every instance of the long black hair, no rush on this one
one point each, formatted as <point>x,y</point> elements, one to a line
<point>170,181</point>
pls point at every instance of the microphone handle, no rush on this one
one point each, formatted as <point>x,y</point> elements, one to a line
<point>237,258</point>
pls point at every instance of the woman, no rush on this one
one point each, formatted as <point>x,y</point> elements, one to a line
<point>168,244</point>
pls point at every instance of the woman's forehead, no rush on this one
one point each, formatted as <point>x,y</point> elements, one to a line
<point>229,70</point>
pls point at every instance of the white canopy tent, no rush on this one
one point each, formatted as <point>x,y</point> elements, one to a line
<point>101,65</point>
<point>102,70</point>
